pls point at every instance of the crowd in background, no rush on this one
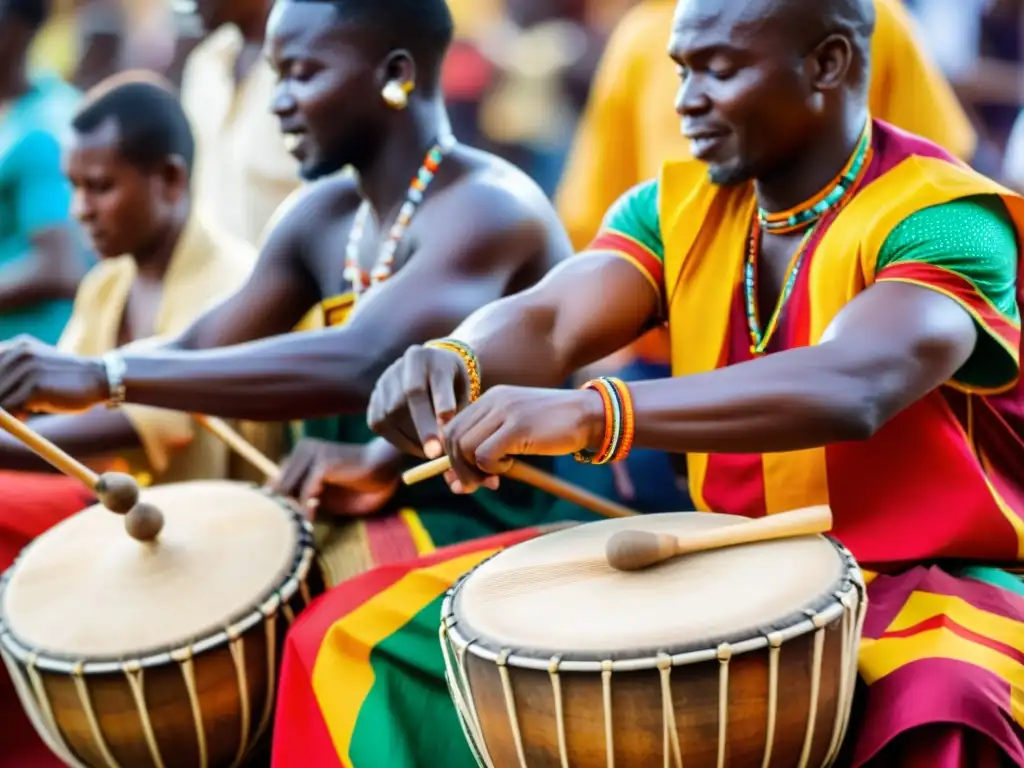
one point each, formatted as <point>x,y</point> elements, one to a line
<point>517,82</point>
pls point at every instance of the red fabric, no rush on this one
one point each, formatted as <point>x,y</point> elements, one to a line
<point>301,736</point>
<point>30,504</point>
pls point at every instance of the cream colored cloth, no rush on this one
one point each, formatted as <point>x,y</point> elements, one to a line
<point>207,266</point>
<point>243,171</point>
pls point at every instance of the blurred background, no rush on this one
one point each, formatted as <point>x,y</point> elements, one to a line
<point>521,70</point>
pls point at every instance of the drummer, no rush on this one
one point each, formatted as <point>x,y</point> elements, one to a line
<point>129,159</point>
<point>391,264</point>
<point>844,306</point>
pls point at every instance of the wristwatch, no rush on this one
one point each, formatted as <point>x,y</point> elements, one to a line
<point>115,367</point>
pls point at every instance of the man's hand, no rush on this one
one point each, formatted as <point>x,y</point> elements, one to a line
<point>40,378</point>
<point>416,397</point>
<point>516,421</point>
<point>339,478</point>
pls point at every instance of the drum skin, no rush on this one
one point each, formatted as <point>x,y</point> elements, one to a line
<point>554,701</point>
<point>208,702</point>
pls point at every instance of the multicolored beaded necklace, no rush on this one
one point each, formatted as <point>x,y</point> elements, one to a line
<point>356,276</point>
<point>805,216</point>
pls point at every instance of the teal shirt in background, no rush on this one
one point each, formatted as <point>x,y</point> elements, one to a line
<point>34,194</point>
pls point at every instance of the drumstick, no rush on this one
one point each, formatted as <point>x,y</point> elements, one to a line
<point>524,473</point>
<point>238,444</point>
<point>116,491</point>
<point>634,550</point>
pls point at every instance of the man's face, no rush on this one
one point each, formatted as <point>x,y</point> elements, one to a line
<point>328,96</point>
<point>121,207</point>
<point>744,97</point>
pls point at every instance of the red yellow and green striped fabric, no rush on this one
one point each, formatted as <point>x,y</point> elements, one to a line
<point>941,479</point>
<point>362,682</point>
<point>948,651</point>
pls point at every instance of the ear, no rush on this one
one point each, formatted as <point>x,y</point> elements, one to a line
<point>175,178</point>
<point>830,63</point>
<point>398,67</point>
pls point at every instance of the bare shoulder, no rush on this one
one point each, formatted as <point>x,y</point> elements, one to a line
<point>497,205</point>
<point>312,205</point>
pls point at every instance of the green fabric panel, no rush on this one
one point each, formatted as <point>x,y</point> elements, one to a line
<point>636,214</point>
<point>975,238</point>
<point>994,576</point>
<point>408,719</point>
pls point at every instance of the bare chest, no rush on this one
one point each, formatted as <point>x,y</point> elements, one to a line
<point>341,243</point>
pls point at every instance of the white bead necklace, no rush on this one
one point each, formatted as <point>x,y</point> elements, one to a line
<point>355,275</point>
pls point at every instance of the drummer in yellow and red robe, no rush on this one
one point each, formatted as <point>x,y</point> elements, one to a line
<point>844,305</point>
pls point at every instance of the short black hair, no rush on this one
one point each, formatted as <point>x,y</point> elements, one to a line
<point>150,119</point>
<point>32,13</point>
<point>425,27</point>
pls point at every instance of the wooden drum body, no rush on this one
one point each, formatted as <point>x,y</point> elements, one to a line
<point>163,653</point>
<point>737,657</point>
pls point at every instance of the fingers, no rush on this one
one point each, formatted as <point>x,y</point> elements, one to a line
<point>387,415</point>
<point>414,397</point>
<point>293,474</point>
<point>313,485</point>
<point>442,390</point>
<point>415,383</point>
<point>477,426</point>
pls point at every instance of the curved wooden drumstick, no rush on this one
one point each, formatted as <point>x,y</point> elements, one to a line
<point>524,473</point>
<point>116,491</point>
<point>635,550</point>
<point>220,429</point>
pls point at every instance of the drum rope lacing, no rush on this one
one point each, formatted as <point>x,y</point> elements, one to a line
<point>849,607</point>
<point>36,701</point>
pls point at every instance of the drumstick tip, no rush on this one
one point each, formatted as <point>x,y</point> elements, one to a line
<point>117,492</point>
<point>636,550</point>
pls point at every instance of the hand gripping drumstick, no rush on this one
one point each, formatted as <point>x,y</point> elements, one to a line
<point>524,473</point>
<point>116,491</point>
<point>635,550</point>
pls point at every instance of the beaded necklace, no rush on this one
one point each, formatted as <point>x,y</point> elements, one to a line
<point>811,211</point>
<point>356,276</point>
<point>808,215</point>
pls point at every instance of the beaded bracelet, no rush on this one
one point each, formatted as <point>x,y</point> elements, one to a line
<point>619,421</point>
<point>469,358</point>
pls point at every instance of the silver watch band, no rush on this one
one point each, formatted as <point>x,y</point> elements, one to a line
<point>116,369</point>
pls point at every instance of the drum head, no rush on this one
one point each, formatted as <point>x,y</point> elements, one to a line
<point>556,595</point>
<point>87,590</point>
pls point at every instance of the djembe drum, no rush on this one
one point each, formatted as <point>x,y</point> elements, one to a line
<point>161,653</point>
<point>734,657</point>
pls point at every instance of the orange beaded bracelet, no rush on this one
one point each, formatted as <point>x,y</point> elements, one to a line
<point>619,422</point>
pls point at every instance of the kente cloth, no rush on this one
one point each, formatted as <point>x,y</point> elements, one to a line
<point>423,517</point>
<point>362,680</point>
<point>942,482</point>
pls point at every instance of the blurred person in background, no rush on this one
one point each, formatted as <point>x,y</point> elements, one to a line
<point>41,257</point>
<point>629,129</point>
<point>129,159</point>
<point>542,54</point>
<point>243,169</point>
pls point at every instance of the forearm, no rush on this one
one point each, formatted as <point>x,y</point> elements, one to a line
<point>803,398</point>
<point>515,346</point>
<point>293,376</point>
<point>24,285</point>
<point>96,433</point>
